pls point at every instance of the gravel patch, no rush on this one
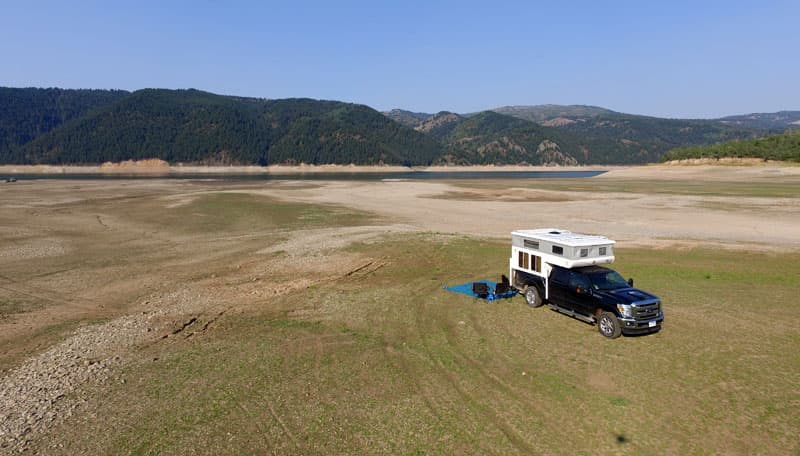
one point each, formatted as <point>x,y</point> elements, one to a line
<point>45,390</point>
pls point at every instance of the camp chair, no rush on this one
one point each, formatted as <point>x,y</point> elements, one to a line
<point>480,289</point>
<point>503,286</point>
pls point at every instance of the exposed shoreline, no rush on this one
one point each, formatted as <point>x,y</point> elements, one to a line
<point>159,167</point>
<point>773,172</point>
<point>275,169</point>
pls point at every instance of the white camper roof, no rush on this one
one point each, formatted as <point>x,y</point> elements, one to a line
<point>563,237</point>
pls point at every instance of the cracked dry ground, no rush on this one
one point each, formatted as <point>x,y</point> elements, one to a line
<point>92,279</point>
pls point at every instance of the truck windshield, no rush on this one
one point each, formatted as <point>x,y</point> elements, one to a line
<point>607,280</point>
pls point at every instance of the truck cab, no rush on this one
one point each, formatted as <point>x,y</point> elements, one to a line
<point>563,269</point>
<point>592,291</point>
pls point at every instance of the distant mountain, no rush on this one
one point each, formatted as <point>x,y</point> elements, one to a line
<point>646,138</point>
<point>28,113</point>
<point>549,112</point>
<point>771,120</point>
<point>407,118</point>
<point>489,137</point>
<point>440,125</point>
<point>785,147</point>
<point>606,136</point>
<point>192,126</point>
<point>653,136</point>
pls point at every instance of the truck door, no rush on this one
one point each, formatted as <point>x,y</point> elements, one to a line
<point>559,281</point>
<point>578,293</point>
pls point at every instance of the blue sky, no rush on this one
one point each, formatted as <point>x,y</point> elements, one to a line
<point>671,59</point>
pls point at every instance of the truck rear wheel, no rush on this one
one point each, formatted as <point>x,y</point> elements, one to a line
<point>608,325</point>
<point>533,297</point>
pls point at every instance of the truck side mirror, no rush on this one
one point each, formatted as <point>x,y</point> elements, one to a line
<point>630,282</point>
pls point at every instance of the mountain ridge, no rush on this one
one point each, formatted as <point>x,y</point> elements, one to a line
<point>192,126</point>
<point>66,126</point>
<point>612,137</point>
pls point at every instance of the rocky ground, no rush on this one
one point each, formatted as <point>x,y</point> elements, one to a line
<point>47,388</point>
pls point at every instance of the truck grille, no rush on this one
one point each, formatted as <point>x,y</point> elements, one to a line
<point>645,311</point>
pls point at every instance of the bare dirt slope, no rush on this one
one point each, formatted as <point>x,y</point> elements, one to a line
<point>639,217</point>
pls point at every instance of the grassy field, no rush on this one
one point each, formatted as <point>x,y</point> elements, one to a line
<point>94,256</point>
<point>388,362</point>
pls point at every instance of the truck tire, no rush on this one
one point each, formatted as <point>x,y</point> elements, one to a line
<point>533,297</point>
<point>608,325</point>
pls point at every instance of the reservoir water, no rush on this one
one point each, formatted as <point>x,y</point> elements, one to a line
<point>361,176</point>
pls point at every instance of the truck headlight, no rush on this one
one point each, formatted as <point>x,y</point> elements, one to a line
<point>624,310</point>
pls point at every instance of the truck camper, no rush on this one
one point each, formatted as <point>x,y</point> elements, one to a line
<point>565,271</point>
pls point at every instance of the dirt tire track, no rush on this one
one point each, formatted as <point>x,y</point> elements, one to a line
<point>467,399</point>
<point>256,423</point>
<point>317,357</point>
<point>283,426</point>
<point>95,308</point>
<point>399,360</point>
<point>471,402</point>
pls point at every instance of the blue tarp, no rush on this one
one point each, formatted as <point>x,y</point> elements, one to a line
<point>466,288</point>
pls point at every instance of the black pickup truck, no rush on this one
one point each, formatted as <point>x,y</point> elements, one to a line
<point>599,295</point>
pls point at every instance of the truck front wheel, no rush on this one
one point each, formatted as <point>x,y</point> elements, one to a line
<point>533,297</point>
<point>608,325</point>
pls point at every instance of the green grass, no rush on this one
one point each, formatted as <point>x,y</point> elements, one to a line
<point>240,212</point>
<point>391,363</point>
<point>10,307</point>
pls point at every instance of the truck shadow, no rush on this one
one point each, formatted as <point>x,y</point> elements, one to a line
<point>594,326</point>
<point>644,334</point>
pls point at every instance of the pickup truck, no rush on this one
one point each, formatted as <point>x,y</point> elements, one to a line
<point>596,294</point>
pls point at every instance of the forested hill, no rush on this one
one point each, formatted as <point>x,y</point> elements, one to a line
<point>646,138</point>
<point>785,147</point>
<point>780,120</point>
<point>28,113</point>
<point>489,137</point>
<point>604,136</point>
<point>57,126</point>
<point>192,126</point>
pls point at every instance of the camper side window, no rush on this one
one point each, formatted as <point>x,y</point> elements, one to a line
<point>536,263</point>
<point>602,251</point>
<point>584,253</point>
<point>557,249</point>
<point>531,244</point>
<point>522,260</point>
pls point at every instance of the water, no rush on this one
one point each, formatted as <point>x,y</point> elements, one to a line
<point>342,176</point>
